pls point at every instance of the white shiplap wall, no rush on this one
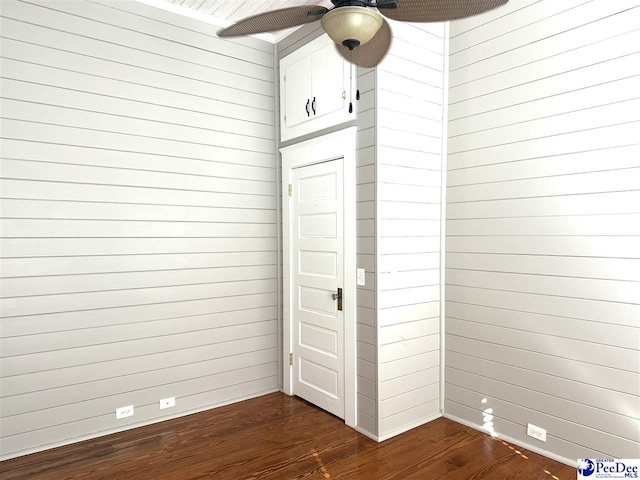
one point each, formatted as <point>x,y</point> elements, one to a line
<point>365,224</point>
<point>138,218</point>
<point>409,143</point>
<point>543,224</point>
<point>367,357</point>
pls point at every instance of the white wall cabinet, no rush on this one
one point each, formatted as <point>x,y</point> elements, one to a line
<point>314,89</point>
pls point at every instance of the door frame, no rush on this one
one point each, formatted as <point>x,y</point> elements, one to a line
<point>341,144</point>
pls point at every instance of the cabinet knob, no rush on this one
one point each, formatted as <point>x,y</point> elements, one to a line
<point>307,108</point>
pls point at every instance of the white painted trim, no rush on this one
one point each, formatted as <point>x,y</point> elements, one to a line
<point>376,242</point>
<point>338,144</point>
<point>506,438</point>
<point>367,434</point>
<point>350,357</point>
<point>411,426</point>
<point>278,162</point>
<point>443,210</point>
<point>211,20</point>
<point>130,426</point>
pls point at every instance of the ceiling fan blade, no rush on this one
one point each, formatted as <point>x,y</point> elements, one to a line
<point>438,10</point>
<point>275,20</point>
<point>371,53</point>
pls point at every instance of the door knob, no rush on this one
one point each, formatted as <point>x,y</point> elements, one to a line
<point>338,296</point>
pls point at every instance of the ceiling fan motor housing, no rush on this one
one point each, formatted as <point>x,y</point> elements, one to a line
<point>351,43</point>
<point>351,25</point>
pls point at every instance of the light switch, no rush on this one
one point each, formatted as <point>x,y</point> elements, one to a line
<point>360,280</point>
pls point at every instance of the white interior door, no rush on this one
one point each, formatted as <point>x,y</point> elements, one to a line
<point>317,247</point>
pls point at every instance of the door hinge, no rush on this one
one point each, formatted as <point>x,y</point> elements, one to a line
<point>290,190</point>
<point>291,359</point>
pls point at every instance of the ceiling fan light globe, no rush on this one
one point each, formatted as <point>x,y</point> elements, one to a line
<point>349,24</point>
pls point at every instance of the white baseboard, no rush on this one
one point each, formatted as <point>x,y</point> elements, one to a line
<point>411,426</point>
<point>130,426</point>
<point>519,443</point>
<point>366,433</point>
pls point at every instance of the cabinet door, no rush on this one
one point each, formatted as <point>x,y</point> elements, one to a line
<point>297,92</point>
<point>317,71</point>
<point>328,87</point>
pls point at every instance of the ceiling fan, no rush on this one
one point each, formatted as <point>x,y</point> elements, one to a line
<point>359,24</point>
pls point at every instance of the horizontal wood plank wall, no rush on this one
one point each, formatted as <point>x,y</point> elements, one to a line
<point>365,226</point>
<point>367,339</point>
<point>410,83</point>
<point>543,224</point>
<point>138,218</point>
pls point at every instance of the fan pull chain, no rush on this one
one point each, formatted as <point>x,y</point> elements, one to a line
<point>357,89</point>
<point>351,83</point>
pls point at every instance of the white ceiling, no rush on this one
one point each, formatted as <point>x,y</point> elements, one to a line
<point>223,13</point>
<point>234,10</point>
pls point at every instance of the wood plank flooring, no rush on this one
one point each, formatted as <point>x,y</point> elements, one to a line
<point>276,437</point>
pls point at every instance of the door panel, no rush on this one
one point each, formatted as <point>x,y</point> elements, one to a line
<point>318,377</point>
<point>319,264</point>
<point>316,300</point>
<point>317,258</point>
<point>318,225</point>
<point>318,187</point>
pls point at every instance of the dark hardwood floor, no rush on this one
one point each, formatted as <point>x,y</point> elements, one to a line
<point>276,437</point>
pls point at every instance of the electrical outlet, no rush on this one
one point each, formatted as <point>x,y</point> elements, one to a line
<point>167,402</point>
<point>360,277</point>
<point>123,412</point>
<point>537,432</point>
